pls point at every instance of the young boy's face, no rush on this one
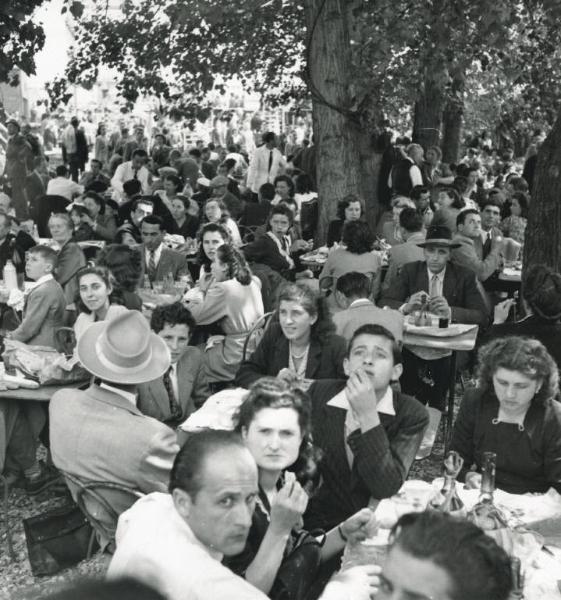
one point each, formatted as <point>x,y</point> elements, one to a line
<point>373,354</point>
<point>36,266</point>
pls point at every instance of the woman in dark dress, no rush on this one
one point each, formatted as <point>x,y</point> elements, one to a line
<point>350,208</point>
<point>515,413</point>
<point>275,422</point>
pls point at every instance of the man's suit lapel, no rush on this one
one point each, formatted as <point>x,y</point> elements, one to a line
<point>334,431</point>
<point>159,397</point>
<point>163,266</point>
<point>184,385</point>
<point>450,282</point>
<point>422,278</point>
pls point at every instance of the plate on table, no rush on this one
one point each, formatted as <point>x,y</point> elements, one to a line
<point>435,331</point>
<point>313,257</point>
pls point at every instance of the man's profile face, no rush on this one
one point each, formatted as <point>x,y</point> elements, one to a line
<point>220,513</point>
<point>96,167</point>
<point>176,338</point>
<point>490,216</point>
<point>373,354</point>
<point>405,576</point>
<point>436,257</point>
<point>152,235</point>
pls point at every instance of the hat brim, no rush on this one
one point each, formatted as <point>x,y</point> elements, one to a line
<point>87,354</point>
<point>443,242</point>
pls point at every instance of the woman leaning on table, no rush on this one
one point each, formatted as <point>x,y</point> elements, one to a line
<point>513,411</point>
<point>302,345</point>
<point>275,423</point>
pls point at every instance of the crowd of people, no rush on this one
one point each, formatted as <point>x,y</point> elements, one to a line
<point>336,406</point>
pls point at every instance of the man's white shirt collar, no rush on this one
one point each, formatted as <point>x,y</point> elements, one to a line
<point>126,395</point>
<point>384,405</point>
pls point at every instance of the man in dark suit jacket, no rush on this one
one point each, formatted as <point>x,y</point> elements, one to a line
<point>369,433</point>
<point>184,387</point>
<point>158,261</point>
<point>448,291</point>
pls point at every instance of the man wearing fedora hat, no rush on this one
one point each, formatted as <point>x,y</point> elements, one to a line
<point>450,292</point>
<point>99,434</point>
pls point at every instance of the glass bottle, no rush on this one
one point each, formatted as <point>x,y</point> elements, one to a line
<point>517,591</point>
<point>485,513</point>
<point>447,499</point>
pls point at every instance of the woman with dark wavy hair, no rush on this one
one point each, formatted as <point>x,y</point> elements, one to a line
<point>233,300</point>
<point>125,265</point>
<point>514,411</point>
<point>302,346</point>
<point>349,209</point>
<point>356,256</point>
<point>275,423</point>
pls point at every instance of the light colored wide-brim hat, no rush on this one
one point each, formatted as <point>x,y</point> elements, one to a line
<point>123,350</point>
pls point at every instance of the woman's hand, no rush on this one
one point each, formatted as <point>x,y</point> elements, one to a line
<point>298,245</point>
<point>472,480</point>
<point>502,309</point>
<point>287,375</point>
<point>359,583</point>
<point>288,506</point>
<point>355,528</point>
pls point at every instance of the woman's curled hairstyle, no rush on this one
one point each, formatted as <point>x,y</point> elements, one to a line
<point>235,261</point>
<point>525,355</point>
<point>270,392</point>
<point>357,237</point>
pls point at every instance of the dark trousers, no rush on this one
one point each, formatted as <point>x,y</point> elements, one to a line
<point>74,166</point>
<point>426,380</point>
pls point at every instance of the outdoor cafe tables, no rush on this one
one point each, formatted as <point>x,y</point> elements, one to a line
<point>533,532</point>
<point>456,337</point>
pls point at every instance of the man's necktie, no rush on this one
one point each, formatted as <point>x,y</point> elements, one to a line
<point>487,245</point>
<point>270,161</point>
<point>174,408</point>
<point>135,174</point>
<point>434,286</point>
<point>152,265</point>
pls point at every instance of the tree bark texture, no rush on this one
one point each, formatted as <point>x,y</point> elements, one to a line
<point>345,159</point>
<point>452,123</point>
<point>429,106</point>
<point>543,233</point>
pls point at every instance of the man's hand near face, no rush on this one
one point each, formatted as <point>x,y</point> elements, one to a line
<point>362,398</point>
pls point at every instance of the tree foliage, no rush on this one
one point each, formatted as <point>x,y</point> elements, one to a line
<point>20,38</point>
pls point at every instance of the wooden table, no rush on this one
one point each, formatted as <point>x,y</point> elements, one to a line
<point>42,394</point>
<point>462,342</point>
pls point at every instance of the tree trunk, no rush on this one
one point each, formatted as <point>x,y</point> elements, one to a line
<point>452,122</point>
<point>543,233</point>
<point>345,159</point>
<point>429,106</point>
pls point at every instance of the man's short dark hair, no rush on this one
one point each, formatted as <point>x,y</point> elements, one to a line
<point>140,152</point>
<point>411,220</point>
<point>268,136</point>
<point>171,314</point>
<point>95,160</point>
<point>195,152</point>
<point>189,463</point>
<point>153,220</point>
<point>477,566</point>
<point>418,191</point>
<point>354,285</point>
<point>229,163</point>
<point>374,329</point>
<point>61,171</point>
<point>267,191</point>
<point>461,218</point>
<point>490,202</point>
<point>132,187</point>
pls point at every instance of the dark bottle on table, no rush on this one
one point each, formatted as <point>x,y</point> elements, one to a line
<point>485,513</point>
<point>447,499</point>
